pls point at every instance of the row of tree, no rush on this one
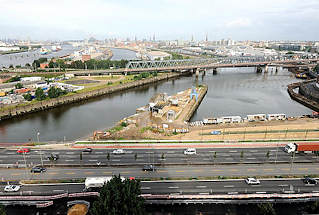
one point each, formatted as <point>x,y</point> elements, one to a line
<point>53,92</point>
<point>90,64</point>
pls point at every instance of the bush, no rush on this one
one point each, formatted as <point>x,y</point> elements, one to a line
<point>27,97</point>
<point>123,124</point>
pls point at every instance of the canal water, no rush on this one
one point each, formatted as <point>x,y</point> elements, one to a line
<point>231,92</point>
<point>29,56</point>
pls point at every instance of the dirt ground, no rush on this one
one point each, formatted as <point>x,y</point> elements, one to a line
<point>78,209</point>
<point>296,128</point>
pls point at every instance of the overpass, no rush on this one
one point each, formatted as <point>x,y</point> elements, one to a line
<point>195,64</point>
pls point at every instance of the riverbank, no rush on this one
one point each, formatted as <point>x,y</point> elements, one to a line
<point>17,110</point>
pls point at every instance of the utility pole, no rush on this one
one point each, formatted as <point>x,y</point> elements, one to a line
<point>38,134</point>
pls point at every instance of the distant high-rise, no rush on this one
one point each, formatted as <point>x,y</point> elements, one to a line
<point>206,39</point>
<point>153,37</point>
<point>192,38</point>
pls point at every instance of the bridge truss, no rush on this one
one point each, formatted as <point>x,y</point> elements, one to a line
<point>193,62</point>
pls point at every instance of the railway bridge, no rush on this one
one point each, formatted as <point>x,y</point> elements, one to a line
<point>198,64</point>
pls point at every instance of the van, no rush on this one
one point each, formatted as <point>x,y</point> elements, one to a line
<point>190,151</point>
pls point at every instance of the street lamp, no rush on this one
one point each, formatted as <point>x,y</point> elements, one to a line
<point>38,134</point>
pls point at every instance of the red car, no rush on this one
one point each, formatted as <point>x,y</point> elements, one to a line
<point>24,150</point>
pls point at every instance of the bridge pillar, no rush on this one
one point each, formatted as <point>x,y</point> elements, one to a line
<point>266,69</point>
<point>215,71</point>
<point>197,72</point>
<point>259,69</point>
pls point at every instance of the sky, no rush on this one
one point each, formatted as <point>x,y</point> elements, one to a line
<point>166,19</point>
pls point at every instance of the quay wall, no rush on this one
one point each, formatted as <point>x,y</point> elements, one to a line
<point>300,98</point>
<point>192,110</point>
<point>18,110</point>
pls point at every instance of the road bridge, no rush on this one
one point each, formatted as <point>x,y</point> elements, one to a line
<point>195,64</point>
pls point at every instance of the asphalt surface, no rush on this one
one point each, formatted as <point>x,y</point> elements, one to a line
<point>185,187</point>
<point>157,156</point>
<point>187,171</point>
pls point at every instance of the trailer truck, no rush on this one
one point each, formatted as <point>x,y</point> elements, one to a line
<point>95,183</point>
<point>302,147</point>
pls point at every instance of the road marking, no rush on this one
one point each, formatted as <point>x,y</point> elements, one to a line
<point>70,156</point>
<point>203,193</point>
<point>283,185</point>
<point>3,156</point>
<point>233,151</point>
<point>88,173</point>
<point>107,172</point>
<point>69,160</point>
<point>153,152</point>
<point>99,152</point>
<point>206,159</point>
<point>251,158</point>
<point>315,191</point>
<point>200,186</point>
<point>52,173</point>
<point>285,169</point>
<point>15,173</point>
<point>170,152</point>
<point>256,185</point>
<point>253,150</point>
<point>251,170</point>
<point>70,173</point>
<point>116,160</point>
<point>234,170</point>
<point>273,150</point>
<point>302,168</point>
<point>173,187</point>
<point>260,192</point>
<point>10,153</point>
<point>184,159</point>
<point>145,188</point>
<point>229,159</point>
<point>93,160</point>
<point>180,171</point>
<point>58,190</point>
<point>229,186</point>
<point>70,153</point>
<point>233,193</point>
<point>268,169</point>
<point>127,172</point>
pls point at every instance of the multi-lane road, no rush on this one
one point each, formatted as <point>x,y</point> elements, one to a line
<point>213,187</point>
<point>186,172</point>
<point>157,156</point>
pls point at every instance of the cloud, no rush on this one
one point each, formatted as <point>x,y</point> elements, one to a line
<point>239,22</point>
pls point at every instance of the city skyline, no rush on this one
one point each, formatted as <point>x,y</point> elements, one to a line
<point>177,19</point>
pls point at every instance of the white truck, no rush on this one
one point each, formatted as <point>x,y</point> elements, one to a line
<point>95,183</point>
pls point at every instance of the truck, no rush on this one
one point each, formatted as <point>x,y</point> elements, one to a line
<point>302,147</point>
<point>95,183</point>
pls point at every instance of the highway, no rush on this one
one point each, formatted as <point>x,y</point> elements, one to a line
<point>158,156</point>
<point>187,171</point>
<point>212,187</point>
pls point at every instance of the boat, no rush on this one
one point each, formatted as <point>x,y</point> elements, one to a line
<point>301,75</point>
<point>44,51</point>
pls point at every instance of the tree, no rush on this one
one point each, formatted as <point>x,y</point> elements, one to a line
<point>27,97</point>
<point>18,86</point>
<point>39,94</point>
<point>55,92</point>
<point>266,209</point>
<point>2,210</point>
<point>267,154</point>
<point>316,69</point>
<point>135,156</point>
<point>119,197</point>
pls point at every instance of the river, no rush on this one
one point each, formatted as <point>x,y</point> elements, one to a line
<point>29,56</point>
<point>238,91</point>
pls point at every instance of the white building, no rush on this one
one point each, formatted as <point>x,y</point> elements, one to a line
<point>31,79</point>
<point>256,117</point>
<point>279,116</point>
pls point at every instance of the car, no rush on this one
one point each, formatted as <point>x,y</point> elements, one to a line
<point>190,151</point>
<point>118,151</point>
<point>11,188</point>
<point>53,157</point>
<point>252,181</point>
<point>88,150</point>
<point>215,132</point>
<point>149,167</point>
<point>38,169</point>
<point>23,150</point>
<point>308,180</point>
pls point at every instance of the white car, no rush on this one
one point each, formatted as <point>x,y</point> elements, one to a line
<point>12,188</point>
<point>118,151</point>
<point>190,151</point>
<point>252,181</point>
